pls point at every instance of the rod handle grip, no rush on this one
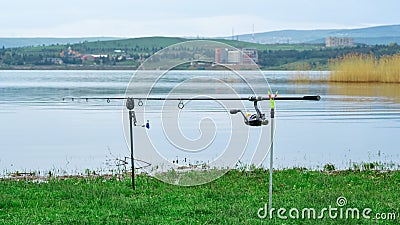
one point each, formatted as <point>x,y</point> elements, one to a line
<point>312,97</point>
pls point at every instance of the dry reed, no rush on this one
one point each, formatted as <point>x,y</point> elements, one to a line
<point>365,68</point>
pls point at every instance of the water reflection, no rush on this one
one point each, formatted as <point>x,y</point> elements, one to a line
<point>370,92</point>
<point>351,123</point>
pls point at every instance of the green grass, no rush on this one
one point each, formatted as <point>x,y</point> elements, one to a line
<point>232,199</point>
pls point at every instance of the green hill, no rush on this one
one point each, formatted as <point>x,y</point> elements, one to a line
<point>25,42</point>
<point>152,44</point>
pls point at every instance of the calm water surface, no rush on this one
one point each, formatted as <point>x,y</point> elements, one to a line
<point>39,131</point>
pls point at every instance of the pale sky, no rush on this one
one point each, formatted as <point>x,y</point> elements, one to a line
<point>204,18</point>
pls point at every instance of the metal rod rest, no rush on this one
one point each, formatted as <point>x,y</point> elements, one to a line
<point>131,118</point>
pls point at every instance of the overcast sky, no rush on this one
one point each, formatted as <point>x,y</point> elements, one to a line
<point>205,18</point>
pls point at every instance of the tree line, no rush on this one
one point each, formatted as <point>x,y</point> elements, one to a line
<point>267,59</point>
<point>320,57</point>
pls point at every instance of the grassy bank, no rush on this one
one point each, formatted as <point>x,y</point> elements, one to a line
<point>366,68</point>
<point>235,198</point>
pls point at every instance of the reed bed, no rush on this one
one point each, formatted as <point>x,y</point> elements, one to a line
<point>307,77</point>
<point>365,68</point>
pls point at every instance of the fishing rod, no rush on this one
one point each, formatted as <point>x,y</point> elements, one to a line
<point>257,119</point>
<point>251,98</point>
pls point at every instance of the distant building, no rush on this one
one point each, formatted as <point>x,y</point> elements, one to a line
<point>339,41</point>
<point>221,55</point>
<point>56,61</point>
<point>250,55</point>
<point>91,57</point>
<point>70,53</point>
<point>233,56</point>
<point>88,57</point>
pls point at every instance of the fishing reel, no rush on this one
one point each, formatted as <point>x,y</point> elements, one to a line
<point>255,120</point>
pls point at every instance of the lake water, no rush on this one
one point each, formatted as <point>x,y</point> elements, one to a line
<point>39,131</point>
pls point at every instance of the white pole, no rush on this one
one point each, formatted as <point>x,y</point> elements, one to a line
<point>271,159</point>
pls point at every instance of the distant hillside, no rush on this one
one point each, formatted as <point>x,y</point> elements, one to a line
<point>129,54</point>
<point>24,42</point>
<point>153,44</point>
<point>148,44</point>
<point>371,35</point>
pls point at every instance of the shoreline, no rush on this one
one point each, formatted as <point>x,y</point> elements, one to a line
<point>326,169</point>
<point>69,67</point>
<point>117,67</point>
